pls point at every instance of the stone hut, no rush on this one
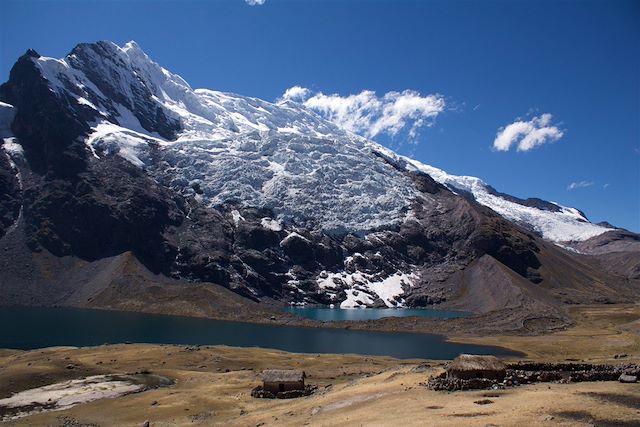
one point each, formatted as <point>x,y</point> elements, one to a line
<point>469,366</point>
<point>283,380</point>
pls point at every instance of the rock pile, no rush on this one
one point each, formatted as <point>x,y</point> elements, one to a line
<point>441,382</point>
<point>260,393</point>
<point>529,372</point>
<point>628,378</point>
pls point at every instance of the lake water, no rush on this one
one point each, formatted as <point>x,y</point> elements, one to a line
<point>333,314</point>
<point>28,328</point>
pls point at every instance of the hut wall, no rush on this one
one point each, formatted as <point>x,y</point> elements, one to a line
<point>478,373</point>
<point>277,387</point>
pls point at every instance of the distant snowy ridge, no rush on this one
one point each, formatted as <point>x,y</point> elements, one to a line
<point>238,149</point>
<point>566,225</point>
<point>563,225</point>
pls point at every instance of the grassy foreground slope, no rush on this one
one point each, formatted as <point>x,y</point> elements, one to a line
<point>214,383</point>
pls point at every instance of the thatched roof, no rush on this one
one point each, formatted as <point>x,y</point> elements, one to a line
<point>282,375</point>
<point>472,362</point>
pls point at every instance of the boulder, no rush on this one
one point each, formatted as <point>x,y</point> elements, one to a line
<point>624,378</point>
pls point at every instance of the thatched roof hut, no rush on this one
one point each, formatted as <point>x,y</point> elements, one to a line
<point>468,366</point>
<point>281,380</point>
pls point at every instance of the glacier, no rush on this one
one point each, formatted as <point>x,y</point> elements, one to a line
<point>225,148</point>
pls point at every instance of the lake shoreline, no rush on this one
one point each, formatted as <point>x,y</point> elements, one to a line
<point>508,321</point>
<point>456,330</point>
<point>616,326</point>
<point>45,327</point>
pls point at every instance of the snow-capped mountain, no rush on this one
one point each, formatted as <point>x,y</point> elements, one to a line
<point>261,154</point>
<point>116,153</point>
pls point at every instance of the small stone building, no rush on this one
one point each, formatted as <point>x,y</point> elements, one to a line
<point>469,366</point>
<point>282,380</point>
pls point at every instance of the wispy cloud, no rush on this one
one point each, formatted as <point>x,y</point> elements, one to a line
<point>255,2</point>
<point>580,184</point>
<point>527,135</point>
<point>370,115</point>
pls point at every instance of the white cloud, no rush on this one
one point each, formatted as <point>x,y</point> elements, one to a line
<point>370,115</point>
<point>527,135</point>
<point>255,2</point>
<point>296,93</point>
<point>580,184</point>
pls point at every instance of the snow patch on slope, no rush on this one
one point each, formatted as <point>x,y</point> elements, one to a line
<point>237,217</point>
<point>7,113</point>
<point>12,147</point>
<point>271,224</point>
<point>132,146</point>
<point>363,289</point>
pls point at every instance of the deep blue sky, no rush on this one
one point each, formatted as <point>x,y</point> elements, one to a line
<point>493,61</point>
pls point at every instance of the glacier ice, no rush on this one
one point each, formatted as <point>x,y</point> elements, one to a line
<point>250,152</point>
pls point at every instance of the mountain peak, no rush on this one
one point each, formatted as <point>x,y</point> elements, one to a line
<point>138,56</point>
<point>131,45</point>
<point>31,53</point>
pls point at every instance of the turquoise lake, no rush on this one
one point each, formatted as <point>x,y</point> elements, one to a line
<point>29,328</point>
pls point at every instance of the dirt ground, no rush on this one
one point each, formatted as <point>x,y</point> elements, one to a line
<point>600,333</point>
<point>213,384</point>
